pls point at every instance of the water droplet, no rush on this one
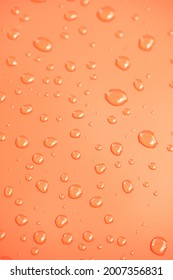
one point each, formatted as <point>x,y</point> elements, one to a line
<point>152,165</point>
<point>37,158</point>
<point>96,202</point>
<point>147,139</point>
<point>98,147</point>
<point>70,15</point>
<point>50,67</point>
<point>8,191</point>
<point>88,236</point>
<point>170,148</point>
<point>131,161</point>
<point>70,66</point>
<point>67,238</point>
<point>23,237</point>
<point>58,80</point>
<point>11,61</point>
<point>13,34</point>
<point>76,155</point>
<point>100,185</point>
<point>38,1</point>
<point>109,238</point>
<point>15,10</point>
<point>100,168</point>
<point>72,99</point>
<point>28,177</point>
<point>111,120</point>
<point>116,97</point>
<point>61,221</point>
<point>26,109</point>
<point>29,166</point>
<point>126,111</point>
<point>108,219</point>
<point>24,18</point>
<point>34,251</point>
<point>138,84</point>
<point>135,17</point>
<point>21,220</point>
<point>106,14</point>
<point>91,65</point>
<point>146,184</point>
<point>82,247</point>
<point>122,62</point>
<point>158,246</point>
<point>121,241</point>
<point>127,186</point>
<point>18,201</point>
<point>64,178</point>
<point>2,136</point>
<point>42,186</point>
<point>64,35</point>
<point>78,114</point>
<point>27,78</point>
<point>21,142</point>
<point>39,237</point>
<point>2,97</point>
<point>116,148</point>
<point>43,44</point>
<point>146,42</point>
<point>75,133</point>
<point>44,118</point>
<point>119,34</point>
<point>83,30</point>
<point>75,191</point>
<point>155,193</point>
<point>2,234</point>
<point>84,2</point>
<point>50,142</point>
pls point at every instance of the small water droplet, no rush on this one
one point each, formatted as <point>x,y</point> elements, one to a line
<point>27,78</point>
<point>43,44</point>
<point>152,165</point>
<point>39,237</point>
<point>75,133</point>
<point>91,65</point>
<point>70,15</point>
<point>76,155</point>
<point>82,247</point>
<point>122,62</point>
<point>21,142</point>
<point>64,35</point>
<point>13,34</point>
<point>146,42</point>
<point>88,236</point>
<point>106,14</point>
<point>109,238</point>
<point>108,219</point>
<point>100,168</point>
<point>34,251</point>
<point>2,97</point>
<point>126,111</point>
<point>170,148</point>
<point>147,139</point>
<point>44,118</point>
<point>121,241</point>
<point>29,166</point>
<point>15,10</point>
<point>127,186</point>
<point>119,34</point>
<point>78,114</point>
<point>11,61</point>
<point>61,221</point>
<point>21,220</point>
<point>42,186</point>
<point>131,161</point>
<point>28,177</point>
<point>116,97</point>
<point>116,148</point>
<point>155,193</point>
<point>26,109</point>
<point>2,234</point>
<point>84,2</point>
<point>111,119</point>
<point>83,30</point>
<point>23,237</point>
<point>75,191</point>
<point>100,185</point>
<point>24,18</point>
<point>98,147</point>
<point>70,66</point>
<point>138,84</point>
<point>37,158</point>
<point>96,202</point>
<point>64,178</point>
<point>50,142</point>
<point>18,201</point>
<point>2,136</point>
<point>158,246</point>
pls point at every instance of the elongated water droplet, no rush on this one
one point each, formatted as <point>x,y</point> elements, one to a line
<point>37,158</point>
<point>88,236</point>
<point>27,78</point>
<point>158,246</point>
<point>108,219</point>
<point>61,221</point>
<point>43,44</point>
<point>116,97</point>
<point>67,238</point>
<point>138,84</point>
<point>11,61</point>
<point>100,168</point>
<point>2,97</point>
<point>96,202</point>
<point>127,186</point>
<point>116,148</point>
<point>106,14</point>
<point>42,186</point>
<point>78,114</point>
<point>39,237</point>
<point>21,220</point>
<point>50,142</point>
<point>26,109</point>
<point>21,142</point>
<point>2,234</point>
<point>122,62</point>
<point>2,136</point>
<point>75,191</point>
<point>75,133</point>
<point>8,191</point>
<point>146,42</point>
<point>147,139</point>
<point>70,15</point>
<point>121,241</point>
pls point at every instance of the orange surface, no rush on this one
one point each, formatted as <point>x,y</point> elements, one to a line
<point>86,135</point>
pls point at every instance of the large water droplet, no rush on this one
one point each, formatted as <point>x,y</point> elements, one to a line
<point>42,186</point>
<point>96,202</point>
<point>122,62</point>
<point>88,236</point>
<point>100,168</point>
<point>27,78</point>
<point>38,158</point>
<point>21,142</point>
<point>67,238</point>
<point>21,220</point>
<point>50,142</point>
<point>116,97</point>
<point>61,221</point>
<point>75,191</point>
<point>43,44</point>
<point>116,148</point>
<point>147,139</point>
<point>26,109</point>
<point>76,155</point>
<point>146,42</point>
<point>39,237</point>
<point>158,246</point>
<point>106,14</point>
<point>127,186</point>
